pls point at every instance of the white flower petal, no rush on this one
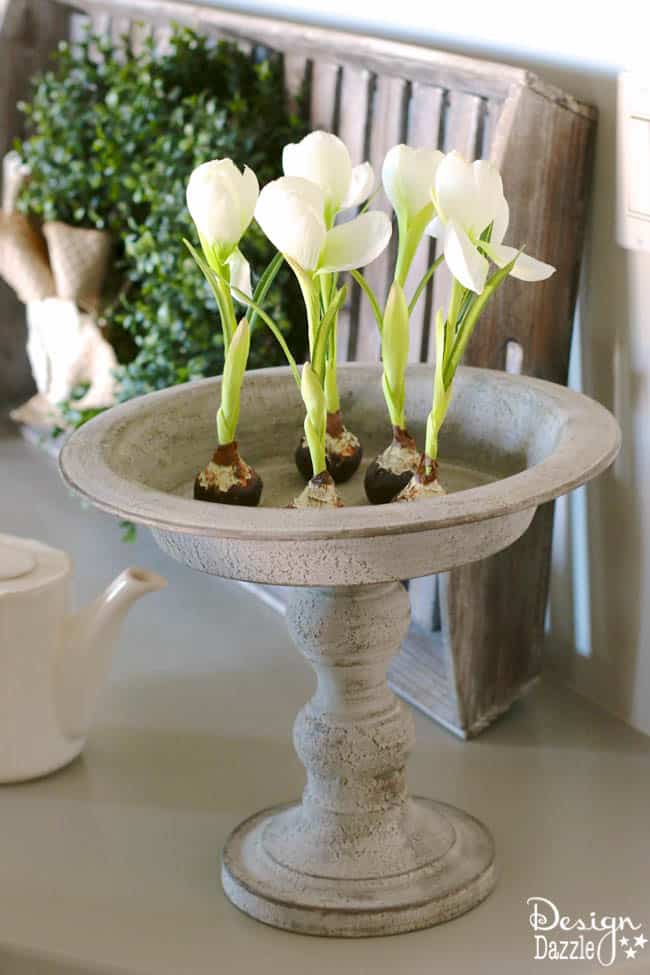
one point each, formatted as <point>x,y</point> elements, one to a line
<point>240,274</point>
<point>408,176</point>
<point>362,185</point>
<point>309,192</point>
<point>249,190</point>
<point>501,221</point>
<point>455,191</point>
<point>488,195</point>
<point>324,159</point>
<point>435,228</point>
<point>290,212</point>
<point>526,268</point>
<point>463,259</point>
<point>214,203</point>
<point>356,243</point>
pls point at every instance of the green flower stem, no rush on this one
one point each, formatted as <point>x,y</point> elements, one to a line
<point>451,339</point>
<point>332,399</point>
<point>311,299</point>
<point>326,325</point>
<point>466,327</point>
<point>410,234</point>
<point>266,280</point>
<point>441,394</point>
<point>316,417</point>
<point>268,321</point>
<point>328,288</point>
<point>423,282</point>
<point>401,269</point>
<point>221,291</point>
<point>455,302</point>
<point>227,308</point>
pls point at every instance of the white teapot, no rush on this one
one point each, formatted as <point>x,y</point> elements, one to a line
<point>52,663</point>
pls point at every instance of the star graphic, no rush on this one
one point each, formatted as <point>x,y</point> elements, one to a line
<point>630,953</point>
<point>640,941</point>
<point>623,942</point>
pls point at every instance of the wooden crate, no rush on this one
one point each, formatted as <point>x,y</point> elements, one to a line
<point>475,644</point>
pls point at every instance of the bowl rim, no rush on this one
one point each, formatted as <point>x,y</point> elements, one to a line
<point>589,441</point>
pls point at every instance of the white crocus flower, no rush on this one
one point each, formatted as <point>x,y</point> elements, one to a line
<point>221,201</point>
<point>324,159</point>
<point>291,212</point>
<point>469,198</point>
<point>408,176</point>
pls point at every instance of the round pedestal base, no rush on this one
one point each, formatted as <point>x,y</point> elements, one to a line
<point>440,887</point>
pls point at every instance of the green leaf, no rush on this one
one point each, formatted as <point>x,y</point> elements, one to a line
<point>370,295</point>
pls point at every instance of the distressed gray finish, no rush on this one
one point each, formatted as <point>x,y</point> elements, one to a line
<point>356,856</point>
<point>481,652</point>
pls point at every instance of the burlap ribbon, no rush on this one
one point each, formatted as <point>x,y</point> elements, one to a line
<point>60,261</point>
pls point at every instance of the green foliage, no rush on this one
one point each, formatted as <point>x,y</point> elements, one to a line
<point>112,139</point>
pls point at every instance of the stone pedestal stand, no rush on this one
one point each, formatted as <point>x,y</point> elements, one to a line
<point>357,856</point>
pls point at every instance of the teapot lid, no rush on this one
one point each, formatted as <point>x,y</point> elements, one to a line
<point>26,564</point>
<point>14,561</point>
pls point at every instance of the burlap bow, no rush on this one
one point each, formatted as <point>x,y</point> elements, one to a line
<point>60,261</point>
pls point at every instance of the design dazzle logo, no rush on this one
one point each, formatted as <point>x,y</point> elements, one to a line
<point>603,938</point>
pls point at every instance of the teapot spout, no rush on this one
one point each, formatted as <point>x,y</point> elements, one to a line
<point>87,645</point>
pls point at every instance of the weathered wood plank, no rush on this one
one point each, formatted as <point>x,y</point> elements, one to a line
<point>408,61</point>
<point>324,86</point>
<point>496,607</point>
<point>296,69</point>
<point>387,125</point>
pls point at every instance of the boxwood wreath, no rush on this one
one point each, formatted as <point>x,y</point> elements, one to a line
<point>112,135</point>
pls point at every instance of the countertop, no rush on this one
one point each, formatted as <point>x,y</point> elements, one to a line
<point>112,865</point>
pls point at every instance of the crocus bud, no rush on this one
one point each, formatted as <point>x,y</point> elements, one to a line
<point>221,201</point>
<point>231,382</point>
<point>408,176</point>
<point>395,351</point>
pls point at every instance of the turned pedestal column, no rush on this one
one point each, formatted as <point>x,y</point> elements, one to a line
<point>357,856</point>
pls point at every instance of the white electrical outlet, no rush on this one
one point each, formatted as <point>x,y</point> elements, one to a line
<point>633,161</point>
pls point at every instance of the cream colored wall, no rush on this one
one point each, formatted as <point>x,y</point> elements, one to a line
<point>581,46</point>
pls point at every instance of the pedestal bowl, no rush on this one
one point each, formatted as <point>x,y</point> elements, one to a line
<point>356,855</point>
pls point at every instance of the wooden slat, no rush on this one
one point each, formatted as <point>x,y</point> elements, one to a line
<point>387,123</point>
<point>496,607</point>
<point>140,33</point>
<point>463,132</point>
<point>408,61</point>
<point>120,30</point>
<point>423,130</point>
<point>352,121</point>
<point>295,77</point>
<point>492,114</point>
<point>162,39</point>
<point>78,26</point>
<point>324,84</point>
